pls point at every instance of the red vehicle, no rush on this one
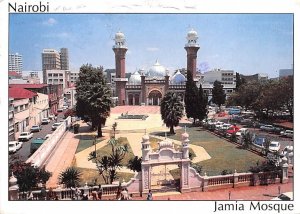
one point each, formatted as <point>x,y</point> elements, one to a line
<point>232,130</point>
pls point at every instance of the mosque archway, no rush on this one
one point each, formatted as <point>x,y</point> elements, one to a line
<point>154,98</point>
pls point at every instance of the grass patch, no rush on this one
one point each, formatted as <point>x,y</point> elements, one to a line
<point>86,141</point>
<point>91,176</point>
<point>224,155</point>
<point>106,150</point>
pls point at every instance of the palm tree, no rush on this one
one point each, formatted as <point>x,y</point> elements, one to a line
<point>135,164</point>
<point>70,177</point>
<point>171,109</point>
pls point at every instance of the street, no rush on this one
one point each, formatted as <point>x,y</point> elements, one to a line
<point>24,153</point>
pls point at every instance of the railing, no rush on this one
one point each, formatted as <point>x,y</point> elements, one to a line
<point>245,178</point>
<point>220,180</point>
<point>133,87</point>
<point>68,194</point>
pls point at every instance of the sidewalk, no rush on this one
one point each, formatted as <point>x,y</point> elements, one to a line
<point>62,158</point>
<point>240,193</point>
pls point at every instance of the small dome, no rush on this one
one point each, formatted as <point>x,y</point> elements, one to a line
<point>165,144</point>
<point>178,78</point>
<point>135,78</point>
<point>119,36</point>
<point>145,138</point>
<point>157,70</point>
<point>13,180</point>
<point>192,35</point>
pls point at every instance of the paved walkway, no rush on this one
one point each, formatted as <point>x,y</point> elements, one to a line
<point>241,193</point>
<point>62,158</point>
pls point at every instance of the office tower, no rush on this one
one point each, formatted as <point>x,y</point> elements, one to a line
<point>15,63</point>
<point>64,59</point>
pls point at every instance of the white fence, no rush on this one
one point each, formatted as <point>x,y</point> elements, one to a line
<point>39,157</point>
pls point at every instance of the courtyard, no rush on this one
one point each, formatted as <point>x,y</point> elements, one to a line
<point>212,153</point>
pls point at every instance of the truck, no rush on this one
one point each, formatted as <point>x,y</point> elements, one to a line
<point>35,144</point>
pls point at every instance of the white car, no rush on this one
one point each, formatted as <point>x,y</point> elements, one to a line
<point>51,116</point>
<point>274,146</point>
<point>14,146</point>
<point>25,136</point>
<point>225,126</point>
<point>241,132</point>
<point>219,124</point>
<point>55,125</point>
<point>287,133</point>
<point>45,121</point>
<point>286,196</point>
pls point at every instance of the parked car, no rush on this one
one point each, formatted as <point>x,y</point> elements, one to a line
<point>24,136</point>
<point>35,144</point>
<point>247,122</point>
<point>274,146</point>
<point>286,196</point>
<point>51,116</point>
<point>225,126</point>
<point>277,130</point>
<point>65,107</point>
<point>241,132</point>
<point>268,128</point>
<point>14,146</point>
<point>55,125</point>
<point>45,121</point>
<point>234,111</point>
<point>232,130</point>
<point>260,142</point>
<point>36,128</point>
<point>287,133</point>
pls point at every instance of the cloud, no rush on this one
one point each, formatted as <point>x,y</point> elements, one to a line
<point>152,49</point>
<point>50,22</point>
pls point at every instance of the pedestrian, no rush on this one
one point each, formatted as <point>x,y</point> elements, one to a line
<point>100,192</point>
<point>95,194</point>
<point>30,196</point>
<point>118,197</point>
<point>149,196</point>
<point>77,193</point>
<point>124,195</point>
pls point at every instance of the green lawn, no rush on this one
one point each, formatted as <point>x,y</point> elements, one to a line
<point>86,141</point>
<point>89,176</point>
<point>224,155</point>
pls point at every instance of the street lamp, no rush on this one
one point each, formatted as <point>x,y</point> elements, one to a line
<point>94,143</point>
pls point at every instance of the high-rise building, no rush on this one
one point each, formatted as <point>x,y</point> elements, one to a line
<point>15,63</point>
<point>64,59</point>
<point>50,61</point>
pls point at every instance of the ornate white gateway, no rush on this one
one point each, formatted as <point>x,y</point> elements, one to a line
<point>166,155</point>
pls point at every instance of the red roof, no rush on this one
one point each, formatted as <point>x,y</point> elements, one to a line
<point>27,85</point>
<point>13,73</point>
<point>20,93</point>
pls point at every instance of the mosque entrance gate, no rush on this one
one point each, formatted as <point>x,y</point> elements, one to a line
<point>165,156</point>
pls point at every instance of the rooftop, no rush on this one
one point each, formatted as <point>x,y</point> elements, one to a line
<point>20,93</point>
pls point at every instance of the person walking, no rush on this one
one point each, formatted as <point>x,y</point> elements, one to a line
<point>149,196</point>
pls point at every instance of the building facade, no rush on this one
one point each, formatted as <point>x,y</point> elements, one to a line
<point>58,77</point>
<point>11,121</point>
<point>64,58</point>
<point>15,63</point>
<point>50,61</point>
<point>147,87</point>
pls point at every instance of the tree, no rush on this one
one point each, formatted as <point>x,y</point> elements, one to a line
<point>29,176</point>
<point>171,109</point>
<point>218,95</point>
<point>197,167</point>
<point>191,99</point>
<point>109,164</point>
<point>93,96</point>
<point>70,177</point>
<point>135,164</point>
<point>239,81</point>
<point>202,102</point>
<point>286,94</point>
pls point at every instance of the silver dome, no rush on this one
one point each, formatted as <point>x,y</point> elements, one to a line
<point>135,78</point>
<point>157,70</point>
<point>178,78</point>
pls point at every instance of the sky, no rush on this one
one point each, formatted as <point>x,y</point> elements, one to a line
<point>245,43</point>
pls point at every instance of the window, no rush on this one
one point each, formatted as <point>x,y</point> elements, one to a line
<point>17,127</point>
<point>49,75</point>
<point>60,75</point>
<point>27,121</point>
